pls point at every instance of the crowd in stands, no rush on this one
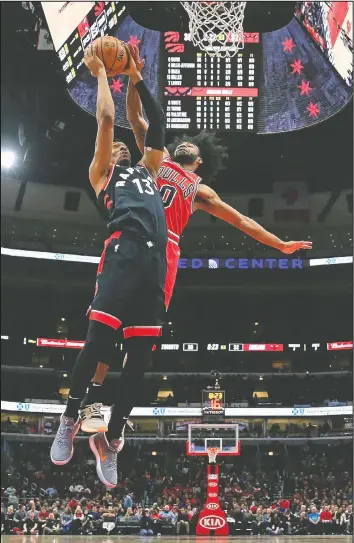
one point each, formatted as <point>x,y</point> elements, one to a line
<point>305,491</point>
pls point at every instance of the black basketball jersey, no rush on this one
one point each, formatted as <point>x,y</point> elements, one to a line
<point>133,203</point>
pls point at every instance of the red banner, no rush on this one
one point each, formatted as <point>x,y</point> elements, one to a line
<point>60,343</point>
<point>210,91</point>
<point>340,346</point>
<point>263,347</point>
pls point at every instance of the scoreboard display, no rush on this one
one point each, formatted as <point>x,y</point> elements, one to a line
<point>74,25</point>
<point>209,92</point>
<point>213,404</point>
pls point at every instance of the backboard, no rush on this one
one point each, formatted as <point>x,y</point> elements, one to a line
<point>223,436</point>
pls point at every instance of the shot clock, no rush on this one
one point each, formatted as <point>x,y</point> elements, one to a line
<point>213,405</point>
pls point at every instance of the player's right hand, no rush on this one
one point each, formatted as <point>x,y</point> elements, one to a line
<point>91,60</point>
<point>139,62</point>
<point>135,65</point>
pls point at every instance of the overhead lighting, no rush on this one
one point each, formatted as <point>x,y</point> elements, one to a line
<point>165,378</point>
<point>4,337</point>
<point>270,453</point>
<point>62,319</point>
<point>260,378</point>
<point>65,374</point>
<point>256,323</point>
<point>7,159</point>
<point>41,366</point>
<point>153,453</point>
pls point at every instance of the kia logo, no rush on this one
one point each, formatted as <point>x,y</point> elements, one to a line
<point>212,495</point>
<point>212,522</point>
<point>212,506</point>
<point>213,484</point>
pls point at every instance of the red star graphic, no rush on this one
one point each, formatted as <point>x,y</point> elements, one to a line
<point>117,86</point>
<point>297,67</point>
<point>305,87</point>
<point>288,45</point>
<point>313,110</point>
<point>133,40</point>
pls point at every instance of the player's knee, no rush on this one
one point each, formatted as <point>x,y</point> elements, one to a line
<point>100,342</point>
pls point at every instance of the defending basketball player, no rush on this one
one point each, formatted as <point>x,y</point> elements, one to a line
<point>182,193</point>
<point>131,275</point>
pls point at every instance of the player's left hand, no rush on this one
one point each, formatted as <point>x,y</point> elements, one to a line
<point>290,247</point>
<point>91,60</point>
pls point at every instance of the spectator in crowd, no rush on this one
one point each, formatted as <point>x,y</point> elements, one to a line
<point>314,521</point>
<point>146,523</point>
<point>183,520</point>
<point>77,521</point>
<point>301,527</point>
<point>20,516</point>
<point>167,516</point>
<point>109,521</point>
<point>51,525</point>
<point>326,520</point>
<point>66,519</point>
<point>275,525</point>
<point>30,526</point>
<point>10,492</point>
<point>257,521</point>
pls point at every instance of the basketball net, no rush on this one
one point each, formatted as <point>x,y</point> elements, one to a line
<point>212,453</point>
<point>216,27</point>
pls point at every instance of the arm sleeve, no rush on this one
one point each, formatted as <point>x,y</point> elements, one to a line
<point>155,136</point>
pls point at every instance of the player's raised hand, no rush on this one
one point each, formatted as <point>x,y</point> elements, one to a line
<point>290,247</point>
<point>140,62</point>
<point>131,67</point>
<point>91,60</point>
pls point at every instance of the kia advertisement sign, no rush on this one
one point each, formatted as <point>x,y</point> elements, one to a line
<point>212,522</point>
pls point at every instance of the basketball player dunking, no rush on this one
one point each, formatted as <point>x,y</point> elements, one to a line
<point>182,193</point>
<point>132,271</point>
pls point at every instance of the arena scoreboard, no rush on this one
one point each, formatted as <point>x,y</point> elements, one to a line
<point>209,92</point>
<point>213,404</point>
<point>74,25</point>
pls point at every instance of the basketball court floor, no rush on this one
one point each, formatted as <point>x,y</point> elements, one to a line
<point>176,539</point>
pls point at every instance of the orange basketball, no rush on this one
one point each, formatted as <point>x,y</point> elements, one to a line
<point>113,53</point>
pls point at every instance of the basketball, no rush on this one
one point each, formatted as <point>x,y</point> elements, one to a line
<point>113,53</point>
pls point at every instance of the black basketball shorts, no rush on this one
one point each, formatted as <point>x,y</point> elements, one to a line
<point>130,286</point>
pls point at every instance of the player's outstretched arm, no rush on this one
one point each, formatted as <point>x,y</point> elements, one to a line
<point>134,107</point>
<point>207,200</point>
<point>105,113</point>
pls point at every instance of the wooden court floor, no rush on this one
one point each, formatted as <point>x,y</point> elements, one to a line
<point>171,539</point>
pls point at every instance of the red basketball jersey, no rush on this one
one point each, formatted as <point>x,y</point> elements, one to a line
<point>178,188</point>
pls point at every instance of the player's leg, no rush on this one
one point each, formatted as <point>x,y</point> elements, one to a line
<point>106,445</point>
<point>109,302</point>
<point>147,306</point>
<point>99,344</point>
<point>91,409</point>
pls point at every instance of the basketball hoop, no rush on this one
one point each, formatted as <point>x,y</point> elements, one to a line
<point>212,453</point>
<point>216,27</point>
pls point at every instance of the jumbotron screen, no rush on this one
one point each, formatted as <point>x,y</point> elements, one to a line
<point>209,92</point>
<point>74,25</point>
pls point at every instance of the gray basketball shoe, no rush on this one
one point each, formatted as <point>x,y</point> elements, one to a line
<point>106,458</point>
<point>62,448</point>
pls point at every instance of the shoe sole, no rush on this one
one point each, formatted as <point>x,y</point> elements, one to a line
<point>85,427</point>
<point>63,462</point>
<point>98,463</point>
